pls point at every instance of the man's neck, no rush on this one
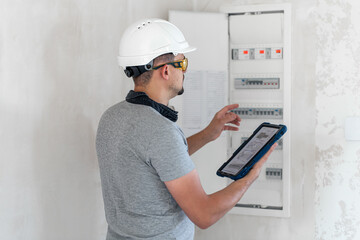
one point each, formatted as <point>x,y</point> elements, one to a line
<point>157,95</point>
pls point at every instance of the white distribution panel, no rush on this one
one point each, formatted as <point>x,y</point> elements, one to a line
<point>257,67</point>
<point>261,84</point>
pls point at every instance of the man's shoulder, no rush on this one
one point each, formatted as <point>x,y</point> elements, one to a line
<point>125,110</point>
<point>138,114</point>
<point>116,108</point>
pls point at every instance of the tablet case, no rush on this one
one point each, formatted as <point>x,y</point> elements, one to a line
<point>261,153</point>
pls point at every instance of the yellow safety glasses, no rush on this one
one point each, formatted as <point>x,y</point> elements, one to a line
<point>183,64</point>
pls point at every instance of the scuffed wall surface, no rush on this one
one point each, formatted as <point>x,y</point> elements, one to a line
<point>58,74</point>
<point>337,165</point>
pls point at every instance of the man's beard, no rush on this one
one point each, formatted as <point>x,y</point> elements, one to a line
<point>181,91</point>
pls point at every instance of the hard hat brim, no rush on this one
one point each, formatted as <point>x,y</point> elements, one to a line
<point>129,61</point>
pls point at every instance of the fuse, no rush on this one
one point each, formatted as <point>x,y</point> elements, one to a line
<point>244,54</point>
<point>241,53</point>
<point>260,53</point>
<point>276,53</point>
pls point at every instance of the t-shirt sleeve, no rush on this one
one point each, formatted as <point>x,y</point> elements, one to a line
<point>169,155</point>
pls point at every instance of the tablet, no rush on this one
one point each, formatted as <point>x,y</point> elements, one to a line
<point>251,151</point>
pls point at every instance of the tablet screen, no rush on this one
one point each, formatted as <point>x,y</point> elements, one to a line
<point>250,150</point>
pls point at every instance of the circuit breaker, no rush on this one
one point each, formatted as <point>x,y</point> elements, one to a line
<point>251,46</point>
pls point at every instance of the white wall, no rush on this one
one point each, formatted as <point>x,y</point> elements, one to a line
<point>337,164</point>
<point>325,167</point>
<point>58,73</point>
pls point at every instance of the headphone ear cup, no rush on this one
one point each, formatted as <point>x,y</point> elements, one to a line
<point>136,71</point>
<point>129,72</point>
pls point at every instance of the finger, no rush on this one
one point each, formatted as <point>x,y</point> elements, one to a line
<point>228,108</point>
<point>273,147</point>
<point>237,117</point>
<point>266,156</point>
<point>236,121</point>
<point>231,117</point>
<point>270,150</point>
<point>230,128</point>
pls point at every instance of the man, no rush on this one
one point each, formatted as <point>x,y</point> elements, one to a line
<point>150,187</point>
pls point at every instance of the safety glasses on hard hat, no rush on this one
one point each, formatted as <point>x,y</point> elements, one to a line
<point>183,64</point>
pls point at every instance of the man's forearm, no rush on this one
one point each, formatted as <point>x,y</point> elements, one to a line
<point>216,205</point>
<point>222,201</point>
<point>226,199</point>
<point>197,141</point>
<point>203,209</point>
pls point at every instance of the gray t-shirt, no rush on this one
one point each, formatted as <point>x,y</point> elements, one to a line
<point>138,149</point>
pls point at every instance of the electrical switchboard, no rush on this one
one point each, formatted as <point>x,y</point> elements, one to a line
<point>257,67</point>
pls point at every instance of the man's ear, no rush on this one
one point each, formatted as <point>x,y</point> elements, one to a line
<point>165,72</point>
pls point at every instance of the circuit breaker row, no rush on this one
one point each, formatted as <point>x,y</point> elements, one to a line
<point>256,83</point>
<point>258,113</point>
<point>256,53</point>
<point>273,173</point>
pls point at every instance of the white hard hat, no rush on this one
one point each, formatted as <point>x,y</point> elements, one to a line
<point>147,39</point>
